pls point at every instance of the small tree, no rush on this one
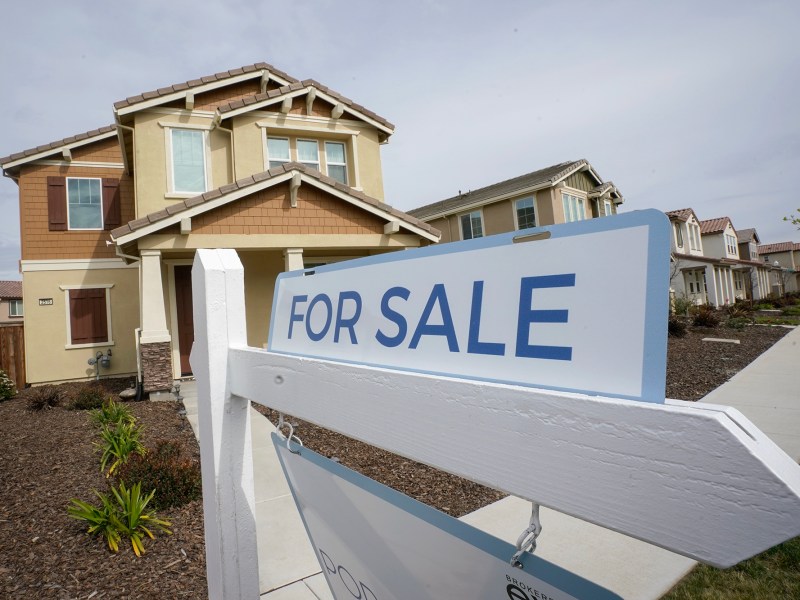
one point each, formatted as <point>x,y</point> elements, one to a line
<point>794,219</point>
<point>7,387</point>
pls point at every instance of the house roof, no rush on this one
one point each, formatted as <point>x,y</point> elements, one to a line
<point>72,141</point>
<point>603,188</point>
<point>273,96</point>
<point>681,214</point>
<point>174,213</point>
<point>537,179</point>
<point>717,225</point>
<point>254,69</point>
<point>10,289</point>
<point>746,235</point>
<point>778,247</point>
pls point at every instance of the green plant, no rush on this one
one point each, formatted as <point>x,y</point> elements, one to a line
<point>7,387</point>
<point>43,397</point>
<point>681,305</point>
<point>737,322</point>
<point>176,480</point>
<point>117,443</point>
<point>111,413</point>
<point>124,515</point>
<point>88,397</point>
<point>764,306</point>
<point>705,316</point>
<point>676,327</point>
<point>793,311</point>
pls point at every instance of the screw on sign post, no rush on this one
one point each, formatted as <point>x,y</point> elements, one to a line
<point>516,361</point>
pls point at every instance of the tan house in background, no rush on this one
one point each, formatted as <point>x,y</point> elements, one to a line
<point>11,310</point>
<point>287,172</point>
<point>784,257</point>
<point>570,191</point>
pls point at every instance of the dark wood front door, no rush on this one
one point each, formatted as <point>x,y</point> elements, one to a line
<point>183,299</point>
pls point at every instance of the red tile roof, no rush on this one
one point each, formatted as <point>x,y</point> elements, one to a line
<point>715,225</point>
<point>778,247</point>
<point>682,213</point>
<point>10,289</point>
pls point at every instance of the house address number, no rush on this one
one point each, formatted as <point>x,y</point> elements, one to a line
<point>45,302</point>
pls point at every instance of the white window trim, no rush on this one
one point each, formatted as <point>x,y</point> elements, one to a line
<point>335,164</point>
<point>171,193</point>
<point>516,213</point>
<point>297,152</point>
<point>574,194</point>
<point>677,234</point>
<point>266,148</point>
<point>469,212</point>
<point>13,302</point>
<point>608,209</point>
<point>66,289</point>
<point>66,189</point>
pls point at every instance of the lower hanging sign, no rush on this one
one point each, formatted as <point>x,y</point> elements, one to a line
<point>374,543</point>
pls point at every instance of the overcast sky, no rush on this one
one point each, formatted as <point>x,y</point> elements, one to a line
<point>681,103</point>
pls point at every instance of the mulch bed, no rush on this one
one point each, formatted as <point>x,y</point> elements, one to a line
<point>47,458</point>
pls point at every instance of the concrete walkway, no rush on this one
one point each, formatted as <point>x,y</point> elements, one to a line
<point>766,392</point>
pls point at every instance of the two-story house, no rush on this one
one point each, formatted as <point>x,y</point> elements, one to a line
<point>287,172</point>
<point>784,257</point>
<point>11,310</point>
<point>757,274</point>
<point>569,191</point>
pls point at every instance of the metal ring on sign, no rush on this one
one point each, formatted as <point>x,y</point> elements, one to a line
<point>289,440</point>
<point>527,539</point>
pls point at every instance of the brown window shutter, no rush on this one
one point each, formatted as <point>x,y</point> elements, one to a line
<point>87,316</point>
<point>57,203</point>
<point>111,203</point>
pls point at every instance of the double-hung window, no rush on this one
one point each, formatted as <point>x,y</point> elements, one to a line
<point>678,235</point>
<point>308,153</point>
<point>526,213</point>
<point>471,225</point>
<point>277,151</point>
<point>574,207</point>
<point>84,203</point>
<point>694,236</point>
<point>15,308</point>
<point>730,243</point>
<point>336,161</point>
<point>188,161</point>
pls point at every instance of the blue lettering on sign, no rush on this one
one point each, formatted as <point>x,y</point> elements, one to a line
<point>316,336</point>
<point>293,316</point>
<point>438,295</point>
<point>527,315</point>
<point>394,316</point>
<point>474,345</point>
<point>350,323</point>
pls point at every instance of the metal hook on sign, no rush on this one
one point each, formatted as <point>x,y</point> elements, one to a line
<point>527,539</point>
<point>283,423</point>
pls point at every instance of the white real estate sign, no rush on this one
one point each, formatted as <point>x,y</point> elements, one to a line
<point>374,543</point>
<point>577,307</point>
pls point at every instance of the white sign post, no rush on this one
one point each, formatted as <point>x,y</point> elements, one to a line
<point>700,480</point>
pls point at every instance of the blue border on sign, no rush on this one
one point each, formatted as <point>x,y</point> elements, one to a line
<point>532,565</point>
<point>654,365</point>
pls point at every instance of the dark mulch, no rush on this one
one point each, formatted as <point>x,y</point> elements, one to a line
<point>47,458</point>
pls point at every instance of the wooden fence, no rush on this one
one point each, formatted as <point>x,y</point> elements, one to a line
<point>12,352</point>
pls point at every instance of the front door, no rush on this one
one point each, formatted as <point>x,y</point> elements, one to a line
<point>183,300</point>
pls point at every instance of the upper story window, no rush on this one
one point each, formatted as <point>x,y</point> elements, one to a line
<point>278,151</point>
<point>730,244</point>
<point>574,207</point>
<point>526,213</point>
<point>753,251</point>
<point>694,236</point>
<point>15,308</point>
<point>188,161</point>
<point>608,208</point>
<point>336,161</point>
<point>84,203</point>
<point>308,153</point>
<point>471,225</point>
<point>678,235</point>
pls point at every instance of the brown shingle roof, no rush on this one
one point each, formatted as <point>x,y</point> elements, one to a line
<point>549,175</point>
<point>55,146</point>
<point>179,87</point>
<point>10,289</point>
<point>715,225</point>
<point>274,94</point>
<point>778,247</point>
<point>243,184</point>
<point>745,235</point>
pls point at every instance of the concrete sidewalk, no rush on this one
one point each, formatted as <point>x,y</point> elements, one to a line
<point>766,392</point>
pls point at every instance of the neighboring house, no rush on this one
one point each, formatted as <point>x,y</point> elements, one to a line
<point>11,310</point>
<point>570,191</point>
<point>706,264</point>
<point>757,274</point>
<point>287,172</point>
<point>784,257</point>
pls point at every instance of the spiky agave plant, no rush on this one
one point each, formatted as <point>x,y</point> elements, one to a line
<point>117,443</point>
<point>136,518</point>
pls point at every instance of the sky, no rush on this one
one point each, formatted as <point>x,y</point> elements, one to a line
<point>680,104</point>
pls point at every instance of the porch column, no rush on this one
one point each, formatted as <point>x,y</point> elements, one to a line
<point>713,293</point>
<point>293,259</point>
<point>155,341</point>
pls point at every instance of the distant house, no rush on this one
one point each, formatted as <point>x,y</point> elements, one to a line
<point>784,257</point>
<point>11,302</point>
<point>569,191</point>
<point>287,172</point>
<point>712,263</point>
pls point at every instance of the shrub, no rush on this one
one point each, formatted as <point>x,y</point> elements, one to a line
<point>681,305</point>
<point>764,306</point>
<point>739,309</point>
<point>43,397</point>
<point>676,327</point>
<point>737,322</point>
<point>88,397</point>
<point>705,316</point>
<point>117,444</point>
<point>111,413</point>
<point>129,517</point>
<point>793,311</point>
<point>176,480</point>
<point>7,387</point>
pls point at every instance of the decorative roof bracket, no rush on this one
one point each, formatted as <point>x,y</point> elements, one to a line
<point>310,97</point>
<point>294,185</point>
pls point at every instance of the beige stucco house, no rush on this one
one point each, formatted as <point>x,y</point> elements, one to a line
<point>784,257</point>
<point>287,172</point>
<point>569,191</point>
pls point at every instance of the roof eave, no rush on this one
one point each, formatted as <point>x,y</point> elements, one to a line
<point>12,164</point>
